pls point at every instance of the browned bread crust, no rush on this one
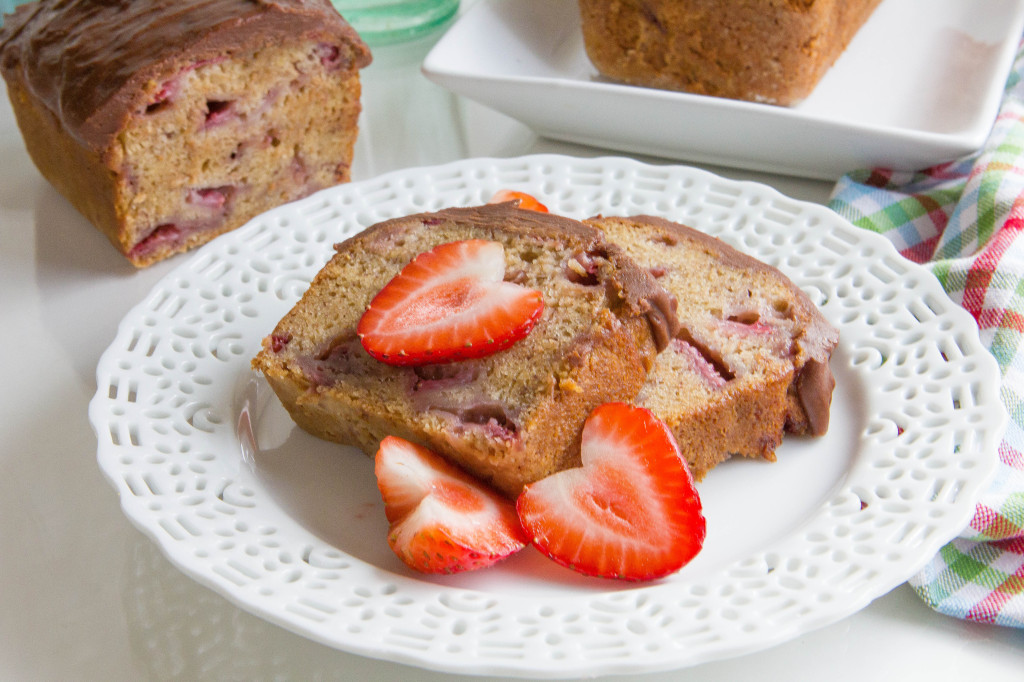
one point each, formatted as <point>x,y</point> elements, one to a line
<point>751,358</point>
<point>771,51</point>
<point>167,122</point>
<point>509,418</point>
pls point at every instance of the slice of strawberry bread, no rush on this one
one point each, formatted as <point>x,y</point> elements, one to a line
<point>751,358</point>
<point>509,417</point>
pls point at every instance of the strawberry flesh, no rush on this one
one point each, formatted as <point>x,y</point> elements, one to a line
<point>699,364</point>
<point>631,511</point>
<point>442,520</point>
<point>448,304</point>
<point>526,201</point>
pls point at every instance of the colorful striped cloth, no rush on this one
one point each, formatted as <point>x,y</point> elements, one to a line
<point>965,221</point>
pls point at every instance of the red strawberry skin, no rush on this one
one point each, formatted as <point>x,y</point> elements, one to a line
<point>631,511</point>
<point>526,201</point>
<point>449,303</point>
<point>442,520</point>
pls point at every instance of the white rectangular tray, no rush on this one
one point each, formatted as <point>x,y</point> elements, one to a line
<point>920,84</point>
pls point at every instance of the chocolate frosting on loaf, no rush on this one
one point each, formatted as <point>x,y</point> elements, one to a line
<point>814,387</point>
<point>640,291</point>
<point>91,61</point>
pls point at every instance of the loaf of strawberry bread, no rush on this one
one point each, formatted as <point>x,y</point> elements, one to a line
<point>751,358</point>
<point>770,51</point>
<point>168,122</point>
<point>509,415</point>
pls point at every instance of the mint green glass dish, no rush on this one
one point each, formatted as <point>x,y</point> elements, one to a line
<point>382,22</point>
<point>7,6</point>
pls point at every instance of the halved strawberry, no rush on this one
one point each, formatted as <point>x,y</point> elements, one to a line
<point>526,201</point>
<point>449,303</point>
<point>630,512</point>
<point>442,520</point>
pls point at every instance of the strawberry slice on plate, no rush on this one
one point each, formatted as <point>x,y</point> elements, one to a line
<point>442,520</point>
<point>447,304</point>
<point>526,201</point>
<point>630,512</point>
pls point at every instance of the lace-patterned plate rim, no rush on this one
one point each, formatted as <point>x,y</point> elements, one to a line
<point>193,445</point>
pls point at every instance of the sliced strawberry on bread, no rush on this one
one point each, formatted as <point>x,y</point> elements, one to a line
<point>447,304</point>
<point>630,512</point>
<point>526,201</point>
<point>442,520</point>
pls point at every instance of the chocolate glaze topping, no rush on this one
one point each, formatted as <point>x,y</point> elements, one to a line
<point>90,61</point>
<point>814,387</point>
<point>643,293</point>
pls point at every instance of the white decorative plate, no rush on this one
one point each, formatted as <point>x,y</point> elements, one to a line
<point>291,528</point>
<point>919,84</point>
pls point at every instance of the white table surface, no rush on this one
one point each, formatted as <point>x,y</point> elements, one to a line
<point>85,596</point>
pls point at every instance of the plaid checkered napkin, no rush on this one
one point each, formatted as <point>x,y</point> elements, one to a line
<point>965,221</point>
